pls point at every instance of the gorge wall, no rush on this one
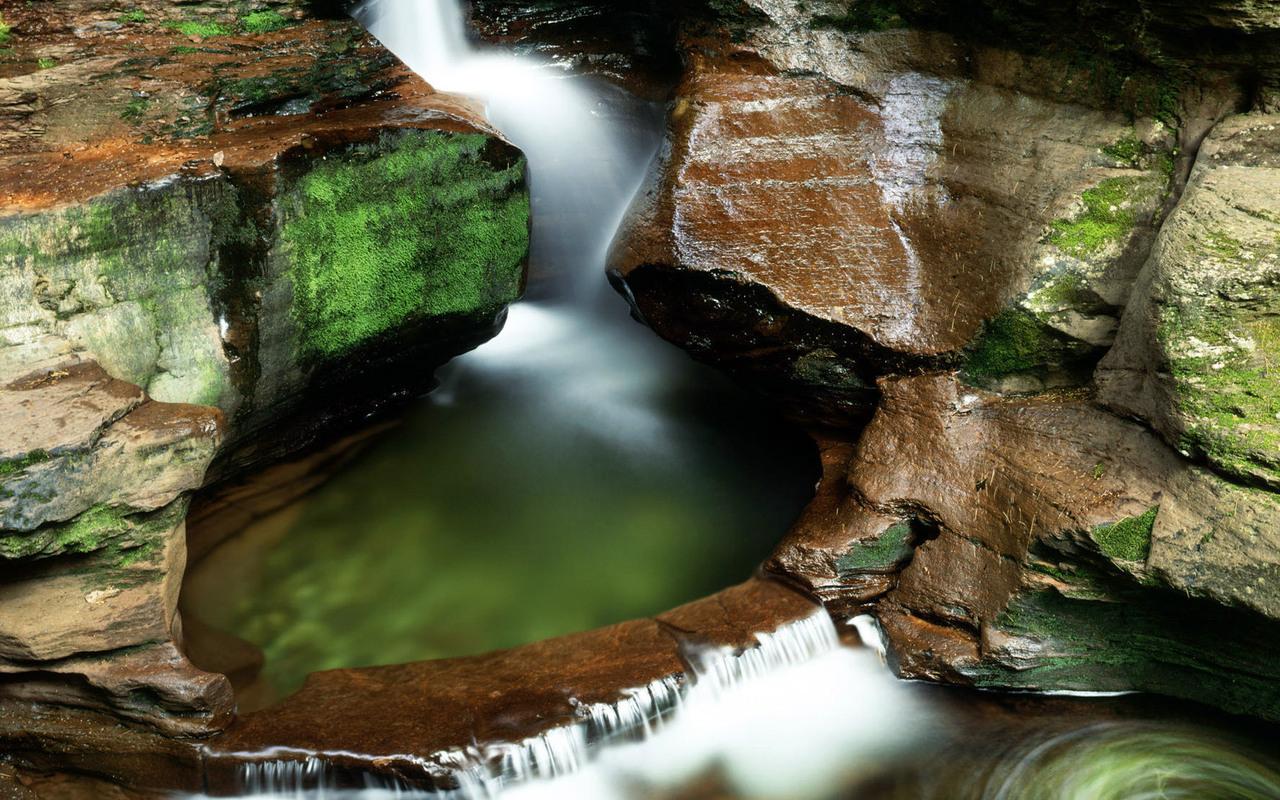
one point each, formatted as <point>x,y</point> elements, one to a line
<point>1016,267</point>
<point>225,229</point>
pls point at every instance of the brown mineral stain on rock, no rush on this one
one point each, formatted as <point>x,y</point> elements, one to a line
<point>1004,500</point>
<point>765,182</point>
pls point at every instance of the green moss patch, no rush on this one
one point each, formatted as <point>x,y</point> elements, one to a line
<point>1130,538</point>
<point>1107,218</point>
<point>1015,342</point>
<point>415,227</point>
<point>1225,362</point>
<point>1127,151</point>
<point>201,29</point>
<point>1137,638</point>
<point>135,110</point>
<point>888,550</point>
<point>92,530</point>
<point>13,466</point>
<point>262,22</point>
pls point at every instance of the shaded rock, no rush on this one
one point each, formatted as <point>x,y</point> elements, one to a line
<point>630,42</point>
<point>1198,352</point>
<point>1044,543</point>
<point>153,685</point>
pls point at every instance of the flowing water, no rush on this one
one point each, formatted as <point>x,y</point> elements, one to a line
<point>576,471</point>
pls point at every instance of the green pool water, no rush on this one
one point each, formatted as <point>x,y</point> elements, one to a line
<point>510,507</point>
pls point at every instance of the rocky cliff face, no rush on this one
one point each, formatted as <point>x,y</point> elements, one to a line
<point>223,229</point>
<point>1024,294</point>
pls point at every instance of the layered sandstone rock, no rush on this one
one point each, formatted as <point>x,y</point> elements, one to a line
<point>836,206</point>
<point>224,228</point>
<point>942,235</point>
<point>1199,354</point>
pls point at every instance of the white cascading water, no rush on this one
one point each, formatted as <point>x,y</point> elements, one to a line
<point>789,717</point>
<point>570,347</point>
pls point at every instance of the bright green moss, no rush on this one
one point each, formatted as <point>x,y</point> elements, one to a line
<point>263,22</point>
<point>5,31</point>
<point>1107,217</point>
<point>201,29</point>
<point>135,16</point>
<point>1013,342</point>
<point>416,227</point>
<point>92,530</point>
<point>1130,538</point>
<point>15,465</point>
<point>891,548</point>
<point>1127,151</point>
<point>46,63</point>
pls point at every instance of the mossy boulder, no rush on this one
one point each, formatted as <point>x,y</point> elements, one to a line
<point>199,272</point>
<point>1199,353</point>
<point>417,225</point>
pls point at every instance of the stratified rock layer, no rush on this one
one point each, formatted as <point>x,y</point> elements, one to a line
<point>224,228</point>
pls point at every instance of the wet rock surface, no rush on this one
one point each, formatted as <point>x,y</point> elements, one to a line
<point>628,42</point>
<point>893,220</point>
<point>403,722</point>
<point>225,229</point>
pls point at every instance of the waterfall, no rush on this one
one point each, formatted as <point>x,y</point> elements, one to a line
<point>673,716</point>
<point>588,142</point>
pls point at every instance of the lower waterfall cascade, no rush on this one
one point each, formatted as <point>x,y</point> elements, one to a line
<point>647,716</point>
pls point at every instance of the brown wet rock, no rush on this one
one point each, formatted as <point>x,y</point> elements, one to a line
<point>398,721</point>
<point>61,739</point>
<point>630,43</point>
<point>1042,542</point>
<point>154,159</point>
<point>834,207</point>
<point>93,494</point>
